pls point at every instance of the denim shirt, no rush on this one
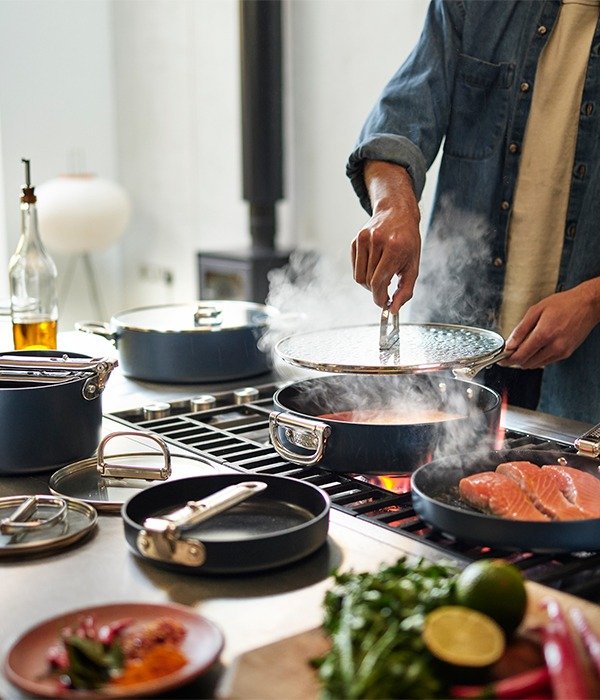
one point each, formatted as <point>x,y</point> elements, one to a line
<point>468,84</point>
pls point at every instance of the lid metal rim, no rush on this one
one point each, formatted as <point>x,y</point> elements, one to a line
<point>117,322</point>
<point>481,360</point>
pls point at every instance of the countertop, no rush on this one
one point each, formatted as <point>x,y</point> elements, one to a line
<point>252,610</point>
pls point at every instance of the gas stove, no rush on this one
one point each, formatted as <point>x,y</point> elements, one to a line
<point>231,428</point>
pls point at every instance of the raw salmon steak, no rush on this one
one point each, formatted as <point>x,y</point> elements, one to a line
<point>498,494</point>
<point>578,487</point>
<point>541,487</point>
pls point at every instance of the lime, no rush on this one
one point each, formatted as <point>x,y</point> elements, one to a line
<point>463,637</point>
<point>496,589</point>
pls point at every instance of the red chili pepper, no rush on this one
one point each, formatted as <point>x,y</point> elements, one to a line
<point>528,684</point>
<point>567,672</point>
<point>588,636</point>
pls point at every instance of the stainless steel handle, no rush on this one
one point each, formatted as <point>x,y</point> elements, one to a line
<point>195,512</point>
<point>312,435</point>
<point>96,328</point>
<point>19,520</point>
<point>589,443</point>
<point>160,538</point>
<point>387,338</point>
<point>472,370</point>
<point>128,471</point>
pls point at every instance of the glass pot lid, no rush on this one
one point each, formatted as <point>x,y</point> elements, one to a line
<point>394,348</point>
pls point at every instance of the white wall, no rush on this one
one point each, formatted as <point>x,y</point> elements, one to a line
<point>57,108</point>
<point>150,90</point>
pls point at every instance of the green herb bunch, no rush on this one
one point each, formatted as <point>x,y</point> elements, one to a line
<point>375,621</point>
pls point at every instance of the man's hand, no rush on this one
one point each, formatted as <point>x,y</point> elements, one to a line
<point>390,243</point>
<point>554,328</point>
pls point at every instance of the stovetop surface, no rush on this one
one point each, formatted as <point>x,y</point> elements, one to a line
<point>231,428</point>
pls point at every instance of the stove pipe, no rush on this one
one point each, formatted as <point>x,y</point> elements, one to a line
<point>261,87</point>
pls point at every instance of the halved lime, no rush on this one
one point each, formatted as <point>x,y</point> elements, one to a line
<point>463,637</point>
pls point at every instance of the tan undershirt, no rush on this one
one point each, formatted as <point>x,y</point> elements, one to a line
<point>538,217</point>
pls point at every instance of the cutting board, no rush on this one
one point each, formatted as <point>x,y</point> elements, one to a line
<point>283,670</point>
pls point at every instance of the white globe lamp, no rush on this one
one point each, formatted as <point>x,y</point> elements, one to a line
<point>80,214</point>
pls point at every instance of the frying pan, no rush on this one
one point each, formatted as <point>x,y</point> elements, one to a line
<point>285,522</point>
<point>435,498</point>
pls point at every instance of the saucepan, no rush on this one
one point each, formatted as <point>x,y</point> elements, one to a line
<point>199,342</point>
<point>50,408</point>
<point>435,496</point>
<point>381,424</point>
<point>256,523</point>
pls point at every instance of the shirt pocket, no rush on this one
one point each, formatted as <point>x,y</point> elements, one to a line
<point>479,107</point>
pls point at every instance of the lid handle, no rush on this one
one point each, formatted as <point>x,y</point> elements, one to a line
<point>19,520</point>
<point>128,471</point>
<point>208,315</point>
<point>388,338</point>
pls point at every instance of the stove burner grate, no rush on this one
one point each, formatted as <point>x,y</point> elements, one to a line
<point>236,435</point>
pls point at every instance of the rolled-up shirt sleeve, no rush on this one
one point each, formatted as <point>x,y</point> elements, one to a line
<point>409,121</point>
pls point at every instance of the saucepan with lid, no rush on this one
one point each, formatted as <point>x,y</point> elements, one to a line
<point>397,395</point>
<point>199,342</point>
<point>50,408</point>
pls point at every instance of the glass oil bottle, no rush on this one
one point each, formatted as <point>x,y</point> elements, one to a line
<point>32,280</point>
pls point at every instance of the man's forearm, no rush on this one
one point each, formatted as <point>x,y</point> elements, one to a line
<point>390,187</point>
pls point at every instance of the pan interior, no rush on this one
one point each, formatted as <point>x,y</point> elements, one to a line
<point>401,394</point>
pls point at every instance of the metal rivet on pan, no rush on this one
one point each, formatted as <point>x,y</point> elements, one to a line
<point>157,409</point>
<point>202,402</point>
<point>246,395</point>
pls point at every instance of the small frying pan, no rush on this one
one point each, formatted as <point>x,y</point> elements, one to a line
<point>278,525</point>
<point>436,499</point>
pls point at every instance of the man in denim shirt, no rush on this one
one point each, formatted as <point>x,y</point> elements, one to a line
<point>471,83</point>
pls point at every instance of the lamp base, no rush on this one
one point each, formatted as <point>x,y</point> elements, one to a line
<point>90,274</point>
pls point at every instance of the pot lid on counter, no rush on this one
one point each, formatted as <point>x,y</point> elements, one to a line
<point>108,481</point>
<point>394,348</point>
<point>199,316</point>
<point>30,525</point>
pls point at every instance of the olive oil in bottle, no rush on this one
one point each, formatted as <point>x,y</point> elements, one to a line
<point>32,280</point>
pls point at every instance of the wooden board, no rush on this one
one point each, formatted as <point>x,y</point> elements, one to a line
<point>283,670</point>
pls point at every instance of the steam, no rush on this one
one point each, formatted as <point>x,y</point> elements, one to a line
<point>450,287</point>
<point>313,293</point>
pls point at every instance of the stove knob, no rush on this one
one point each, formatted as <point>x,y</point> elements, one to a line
<point>156,410</point>
<point>203,402</point>
<point>246,395</point>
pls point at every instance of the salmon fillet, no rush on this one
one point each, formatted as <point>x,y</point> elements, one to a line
<point>579,487</point>
<point>542,489</point>
<point>499,495</point>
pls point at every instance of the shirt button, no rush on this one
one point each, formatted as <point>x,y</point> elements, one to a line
<point>541,30</point>
<point>589,108</point>
<point>524,87</point>
<point>560,287</point>
<point>571,230</point>
<point>498,262</point>
<point>581,170</point>
<point>513,148</point>
<point>504,205</point>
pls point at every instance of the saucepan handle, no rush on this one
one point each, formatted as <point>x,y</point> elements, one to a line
<point>310,435</point>
<point>472,370</point>
<point>96,328</point>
